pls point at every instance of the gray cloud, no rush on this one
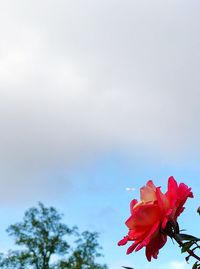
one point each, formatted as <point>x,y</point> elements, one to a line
<point>83,77</point>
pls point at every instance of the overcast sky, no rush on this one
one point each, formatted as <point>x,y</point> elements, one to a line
<point>92,82</point>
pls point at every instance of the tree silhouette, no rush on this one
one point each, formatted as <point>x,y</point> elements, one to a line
<point>41,236</point>
<point>84,254</point>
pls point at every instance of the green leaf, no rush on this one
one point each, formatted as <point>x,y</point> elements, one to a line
<point>195,265</point>
<point>187,237</point>
<point>186,246</point>
<point>187,258</point>
<point>198,210</point>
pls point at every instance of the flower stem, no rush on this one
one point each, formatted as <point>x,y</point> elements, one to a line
<point>190,252</point>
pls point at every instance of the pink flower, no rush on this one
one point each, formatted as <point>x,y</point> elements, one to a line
<point>150,216</point>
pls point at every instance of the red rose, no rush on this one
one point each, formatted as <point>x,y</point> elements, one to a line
<point>150,216</point>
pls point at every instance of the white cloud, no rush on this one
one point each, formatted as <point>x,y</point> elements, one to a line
<point>83,77</point>
<point>178,265</point>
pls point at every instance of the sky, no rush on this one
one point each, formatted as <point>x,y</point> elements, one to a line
<point>95,97</point>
